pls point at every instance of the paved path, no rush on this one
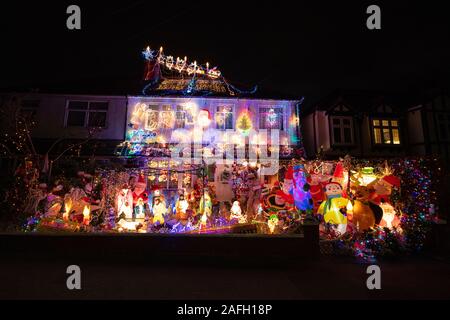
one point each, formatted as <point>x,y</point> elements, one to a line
<point>326,278</point>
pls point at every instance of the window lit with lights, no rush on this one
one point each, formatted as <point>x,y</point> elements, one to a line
<point>386,131</point>
<point>271,118</point>
<point>224,117</point>
<point>167,117</point>
<point>180,118</point>
<point>342,130</point>
<point>86,114</point>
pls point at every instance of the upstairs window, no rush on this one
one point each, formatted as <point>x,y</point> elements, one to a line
<point>386,131</point>
<point>342,130</point>
<point>167,117</point>
<point>86,114</point>
<point>271,118</point>
<point>29,109</point>
<point>152,118</point>
<point>224,117</point>
<point>180,118</point>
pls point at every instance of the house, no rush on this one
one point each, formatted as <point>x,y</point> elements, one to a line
<point>218,123</point>
<point>361,124</point>
<point>429,124</point>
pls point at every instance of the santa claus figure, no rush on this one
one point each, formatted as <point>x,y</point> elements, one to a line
<point>139,191</point>
<point>390,218</point>
<point>339,176</point>
<point>156,193</point>
<point>287,185</point>
<point>383,189</point>
<point>316,187</point>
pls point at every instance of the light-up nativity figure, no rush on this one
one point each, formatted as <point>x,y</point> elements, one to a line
<point>124,203</point>
<point>236,215</point>
<point>300,189</point>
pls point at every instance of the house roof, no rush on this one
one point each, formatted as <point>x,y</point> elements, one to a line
<point>358,101</point>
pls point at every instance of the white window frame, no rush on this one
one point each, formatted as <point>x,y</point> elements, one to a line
<point>283,113</point>
<point>233,112</point>
<point>342,128</point>
<point>381,127</point>
<point>86,111</point>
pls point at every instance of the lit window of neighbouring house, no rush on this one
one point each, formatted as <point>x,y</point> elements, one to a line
<point>342,130</point>
<point>86,114</point>
<point>386,131</point>
<point>224,117</point>
<point>271,118</point>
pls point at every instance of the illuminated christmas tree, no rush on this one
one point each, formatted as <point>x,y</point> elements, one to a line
<point>244,123</point>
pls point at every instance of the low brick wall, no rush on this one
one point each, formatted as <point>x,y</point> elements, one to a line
<point>128,246</point>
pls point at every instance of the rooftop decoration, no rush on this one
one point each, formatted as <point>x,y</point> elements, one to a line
<point>165,74</point>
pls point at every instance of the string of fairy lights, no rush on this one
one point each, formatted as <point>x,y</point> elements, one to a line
<point>181,65</point>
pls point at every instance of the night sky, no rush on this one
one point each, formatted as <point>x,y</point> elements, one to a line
<point>307,49</point>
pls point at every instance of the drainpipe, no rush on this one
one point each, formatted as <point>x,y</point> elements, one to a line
<point>314,129</point>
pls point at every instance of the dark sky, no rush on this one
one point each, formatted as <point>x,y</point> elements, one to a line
<point>307,48</point>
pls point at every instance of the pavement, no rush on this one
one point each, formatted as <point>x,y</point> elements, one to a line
<point>327,277</point>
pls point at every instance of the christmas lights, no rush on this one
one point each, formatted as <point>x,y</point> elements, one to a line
<point>181,65</point>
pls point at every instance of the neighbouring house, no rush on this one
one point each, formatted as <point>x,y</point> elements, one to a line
<point>361,124</point>
<point>429,124</point>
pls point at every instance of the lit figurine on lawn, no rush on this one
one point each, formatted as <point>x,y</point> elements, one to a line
<point>272,223</point>
<point>334,208</point>
<point>236,213</point>
<point>124,203</point>
<point>159,211</point>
